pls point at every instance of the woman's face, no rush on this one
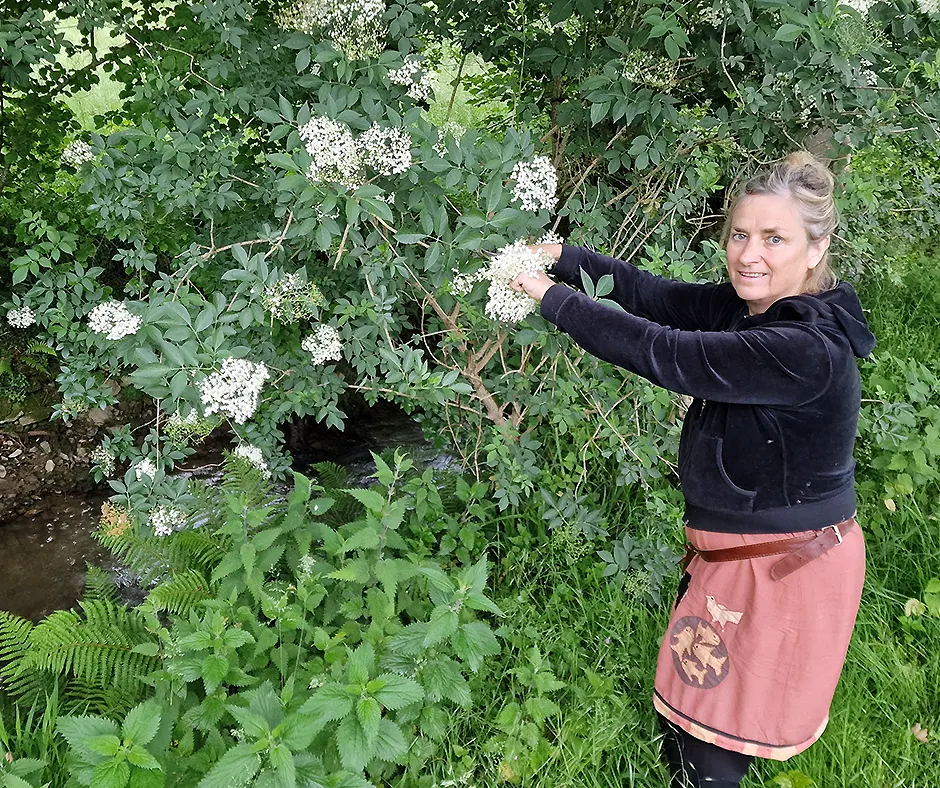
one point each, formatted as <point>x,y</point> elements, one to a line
<point>769,252</point>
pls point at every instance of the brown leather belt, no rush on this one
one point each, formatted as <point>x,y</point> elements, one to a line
<point>799,550</point>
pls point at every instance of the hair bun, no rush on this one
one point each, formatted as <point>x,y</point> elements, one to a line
<point>813,173</point>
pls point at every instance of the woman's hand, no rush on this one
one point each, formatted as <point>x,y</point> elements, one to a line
<point>534,285</point>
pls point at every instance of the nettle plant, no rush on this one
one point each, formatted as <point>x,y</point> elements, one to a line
<point>313,637</point>
<point>285,225</point>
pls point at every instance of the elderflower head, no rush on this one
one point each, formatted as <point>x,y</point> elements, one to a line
<point>645,68</point>
<point>235,390</point>
<point>114,320</point>
<point>290,299</point>
<point>414,78</point>
<point>355,26</point>
<point>21,318</point>
<point>504,303</point>
<point>385,150</point>
<point>104,459</point>
<point>929,7</point>
<point>146,467</point>
<point>462,284</point>
<point>323,345</point>
<point>253,456</point>
<point>166,519</point>
<point>551,237</point>
<point>862,6</point>
<point>334,156</point>
<point>77,153</point>
<point>536,183</point>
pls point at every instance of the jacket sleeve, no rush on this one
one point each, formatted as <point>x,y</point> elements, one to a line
<point>665,301</point>
<point>784,364</point>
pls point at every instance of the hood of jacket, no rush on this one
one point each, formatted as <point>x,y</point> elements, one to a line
<point>838,309</point>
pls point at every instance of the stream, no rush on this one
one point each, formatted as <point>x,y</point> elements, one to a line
<point>44,551</point>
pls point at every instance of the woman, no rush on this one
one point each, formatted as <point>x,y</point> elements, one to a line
<point>754,648</point>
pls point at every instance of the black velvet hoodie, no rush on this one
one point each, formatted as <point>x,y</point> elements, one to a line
<point>767,443</point>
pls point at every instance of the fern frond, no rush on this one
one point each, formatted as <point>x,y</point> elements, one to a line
<point>94,647</point>
<point>180,594</point>
<point>14,646</point>
<point>99,585</point>
<point>329,475</point>
<point>41,348</point>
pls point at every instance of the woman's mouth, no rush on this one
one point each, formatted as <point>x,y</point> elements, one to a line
<point>751,275</point>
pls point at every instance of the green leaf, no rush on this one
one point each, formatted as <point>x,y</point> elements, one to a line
<point>104,745</point>
<point>331,702</point>
<point>442,625</point>
<point>473,642</point>
<point>269,116</point>
<point>788,32</point>
<point>77,730</point>
<point>215,668</point>
<point>361,663</point>
<point>390,743</point>
<point>605,285</point>
<point>138,756</point>
<point>368,498</point>
<point>355,751</point>
<point>111,774</point>
<point>235,769</point>
<point>398,691</point>
<point>474,577</point>
<point>142,722</point>
<point>363,539</point>
<point>369,713</point>
<point>302,60</point>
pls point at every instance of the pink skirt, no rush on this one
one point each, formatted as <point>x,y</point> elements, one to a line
<point>751,664</point>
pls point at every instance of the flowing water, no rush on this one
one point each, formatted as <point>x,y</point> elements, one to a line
<point>45,550</point>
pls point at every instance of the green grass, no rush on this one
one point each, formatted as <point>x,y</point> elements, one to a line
<point>103,97</point>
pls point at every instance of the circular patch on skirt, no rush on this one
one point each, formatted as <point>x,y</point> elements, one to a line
<point>698,652</point>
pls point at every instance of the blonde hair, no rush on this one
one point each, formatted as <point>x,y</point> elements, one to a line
<point>807,181</point>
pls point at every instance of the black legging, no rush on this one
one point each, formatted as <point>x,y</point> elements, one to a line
<point>697,764</point>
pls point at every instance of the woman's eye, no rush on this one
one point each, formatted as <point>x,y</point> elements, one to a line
<point>738,236</point>
<point>775,239</point>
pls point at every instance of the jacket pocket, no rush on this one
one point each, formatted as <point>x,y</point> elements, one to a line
<point>705,481</point>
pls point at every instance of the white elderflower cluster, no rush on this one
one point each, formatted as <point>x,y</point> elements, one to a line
<point>414,78</point>
<point>536,184</point>
<point>385,150</point>
<point>334,157</point>
<point>551,237</point>
<point>323,345</point>
<point>21,318</point>
<point>504,303</point>
<point>253,456</point>
<point>113,319</point>
<point>929,7</point>
<point>355,26</point>
<point>235,390</point>
<point>166,519</point>
<point>77,153</point>
<point>291,299</point>
<point>104,459</point>
<point>645,68</point>
<point>862,6</point>
<point>716,14</point>
<point>462,284</point>
<point>449,131</point>
<point>146,467</point>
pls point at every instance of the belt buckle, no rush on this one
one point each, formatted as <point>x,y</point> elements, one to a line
<point>837,532</point>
